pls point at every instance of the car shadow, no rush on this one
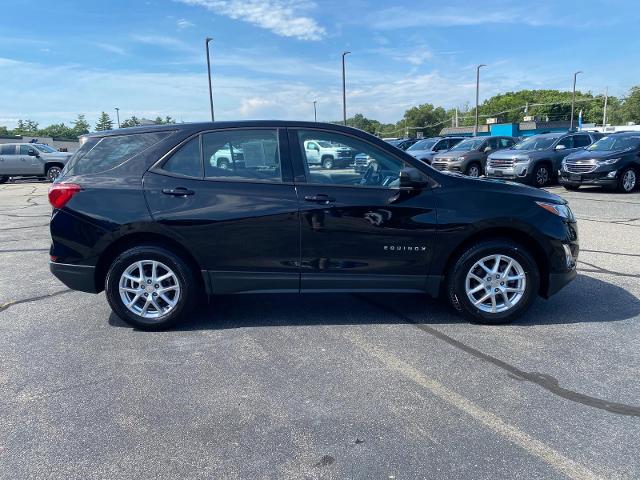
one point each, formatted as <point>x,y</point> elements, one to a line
<point>585,300</point>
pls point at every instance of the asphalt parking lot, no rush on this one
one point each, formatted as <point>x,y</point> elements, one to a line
<point>322,386</point>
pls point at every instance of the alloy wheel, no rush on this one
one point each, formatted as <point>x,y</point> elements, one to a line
<point>149,289</point>
<point>473,171</point>
<point>542,176</point>
<point>53,173</point>
<point>495,283</point>
<point>629,180</point>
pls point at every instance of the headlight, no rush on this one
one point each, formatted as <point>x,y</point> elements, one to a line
<point>460,159</point>
<point>522,159</point>
<point>611,161</point>
<point>562,210</point>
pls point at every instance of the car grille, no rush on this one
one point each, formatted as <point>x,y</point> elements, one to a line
<point>501,163</point>
<point>439,165</point>
<point>575,167</point>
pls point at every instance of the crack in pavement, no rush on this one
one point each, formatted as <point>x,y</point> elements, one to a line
<point>6,305</point>
<point>611,253</point>
<point>610,222</point>
<point>597,269</point>
<point>23,228</point>
<point>547,382</point>
<point>17,250</point>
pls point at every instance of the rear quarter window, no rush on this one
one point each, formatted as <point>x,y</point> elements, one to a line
<point>102,154</point>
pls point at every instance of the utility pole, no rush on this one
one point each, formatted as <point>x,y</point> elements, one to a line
<point>206,43</point>
<point>604,114</point>
<point>457,117</point>
<point>118,116</point>
<point>344,90</point>
<point>315,113</point>
<point>475,126</point>
<point>573,99</point>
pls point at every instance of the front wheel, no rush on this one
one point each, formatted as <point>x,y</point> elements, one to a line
<point>493,282</point>
<point>628,180</point>
<point>541,175</point>
<point>473,170</point>
<point>53,172</point>
<point>150,287</point>
<point>327,163</point>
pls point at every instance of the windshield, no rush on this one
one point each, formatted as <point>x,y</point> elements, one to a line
<point>468,144</point>
<point>325,144</point>
<point>45,148</point>
<point>615,142</point>
<point>535,143</point>
<point>422,145</point>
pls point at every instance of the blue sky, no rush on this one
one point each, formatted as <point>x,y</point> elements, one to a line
<point>272,58</point>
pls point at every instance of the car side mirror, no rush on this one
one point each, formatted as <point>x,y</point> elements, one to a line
<point>560,147</point>
<point>32,153</point>
<point>412,178</point>
<point>487,149</point>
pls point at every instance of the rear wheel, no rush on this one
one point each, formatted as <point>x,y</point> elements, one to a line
<point>541,175</point>
<point>493,282</point>
<point>150,287</point>
<point>473,170</point>
<point>53,172</point>
<point>628,180</point>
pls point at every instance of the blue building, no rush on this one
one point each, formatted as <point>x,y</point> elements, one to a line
<point>522,129</point>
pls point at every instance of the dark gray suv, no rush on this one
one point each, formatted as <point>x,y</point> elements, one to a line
<point>536,160</point>
<point>427,148</point>
<point>470,155</point>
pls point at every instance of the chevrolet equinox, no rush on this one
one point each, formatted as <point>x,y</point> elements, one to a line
<point>149,216</point>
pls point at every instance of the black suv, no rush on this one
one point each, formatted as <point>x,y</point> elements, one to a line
<point>144,214</point>
<point>613,161</point>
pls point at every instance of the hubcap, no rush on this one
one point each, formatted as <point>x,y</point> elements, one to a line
<point>495,283</point>
<point>149,289</point>
<point>474,172</point>
<point>542,176</point>
<point>629,180</point>
<point>54,172</point>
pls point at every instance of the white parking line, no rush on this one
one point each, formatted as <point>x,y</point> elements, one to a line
<point>535,447</point>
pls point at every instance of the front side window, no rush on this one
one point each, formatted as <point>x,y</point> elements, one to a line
<point>45,148</point>
<point>25,149</point>
<point>567,142</point>
<point>356,162</point>
<point>186,161</point>
<point>581,141</point>
<point>242,155</point>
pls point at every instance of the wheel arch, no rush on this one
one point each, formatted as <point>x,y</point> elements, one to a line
<point>52,163</point>
<point>144,238</point>
<point>504,233</point>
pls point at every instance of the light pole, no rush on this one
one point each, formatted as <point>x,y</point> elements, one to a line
<point>118,116</point>
<point>475,126</point>
<point>344,90</point>
<point>573,98</point>
<point>604,113</point>
<point>206,43</point>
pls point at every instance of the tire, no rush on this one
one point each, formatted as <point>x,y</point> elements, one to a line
<point>628,180</point>
<point>4,179</point>
<point>571,188</point>
<point>53,172</point>
<point>166,262</point>
<point>468,263</point>
<point>223,163</point>
<point>541,176</point>
<point>327,163</point>
<point>473,170</point>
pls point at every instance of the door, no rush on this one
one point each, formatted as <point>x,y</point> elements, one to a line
<point>9,162</point>
<point>361,231</point>
<point>312,151</point>
<point>30,164</point>
<point>241,223</point>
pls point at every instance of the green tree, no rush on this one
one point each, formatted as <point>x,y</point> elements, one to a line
<point>104,122</point>
<point>164,121</point>
<point>80,126</point>
<point>26,127</point>
<point>133,121</point>
<point>631,106</point>
<point>4,131</point>
<point>363,123</point>
<point>425,118</point>
<point>58,130</point>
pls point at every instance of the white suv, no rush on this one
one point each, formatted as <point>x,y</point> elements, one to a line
<point>321,152</point>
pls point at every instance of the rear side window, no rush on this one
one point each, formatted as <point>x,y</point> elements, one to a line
<point>102,154</point>
<point>186,160</point>
<point>7,150</point>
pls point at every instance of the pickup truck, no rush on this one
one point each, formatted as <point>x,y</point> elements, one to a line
<point>31,160</point>
<point>328,155</point>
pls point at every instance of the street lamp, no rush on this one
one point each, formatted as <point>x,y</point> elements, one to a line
<point>315,113</point>
<point>475,126</point>
<point>206,43</point>
<point>344,91</point>
<point>118,116</point>
<point>573,98</point>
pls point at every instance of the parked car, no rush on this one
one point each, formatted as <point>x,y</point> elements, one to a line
<point>227,157</point>
<point>327,154</point>
<point>537,159</point>
<point>143,214</point>
<point>470,155</point>
<point>426,148</point>
<point>31,160</point>
<point>403,143</point>
<point>613,161</point>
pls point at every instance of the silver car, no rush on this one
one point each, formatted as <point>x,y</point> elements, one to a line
<point>31,160</point>
<point>427,148</point>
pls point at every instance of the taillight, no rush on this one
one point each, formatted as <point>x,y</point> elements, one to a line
<point>61,193</point>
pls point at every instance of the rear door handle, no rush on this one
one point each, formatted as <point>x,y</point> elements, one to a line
<point>319,198</point>
<point>178,192</point>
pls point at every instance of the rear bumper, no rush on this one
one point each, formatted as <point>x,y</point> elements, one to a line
<point>76,277</point>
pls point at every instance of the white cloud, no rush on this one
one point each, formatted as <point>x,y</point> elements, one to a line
<point>184,23</point>
<point>107,47</point>
<point>282,17</point>
<point>251,107</point>
<point>162,40</point>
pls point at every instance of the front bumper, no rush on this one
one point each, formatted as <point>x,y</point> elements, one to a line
<point>559,280</point>
<point>593,178</point>
<point>76,277</point>
<point>519,171</point>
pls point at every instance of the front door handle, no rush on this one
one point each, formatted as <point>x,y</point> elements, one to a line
<point>178,192</point>
<point>319,198</point>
